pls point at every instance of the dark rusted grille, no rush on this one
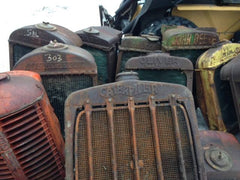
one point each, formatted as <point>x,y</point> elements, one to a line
<point>30,139</point>
<point>132,143</point>
<point>58,87</point>
<point>19,51</point>
<point>5,173</point>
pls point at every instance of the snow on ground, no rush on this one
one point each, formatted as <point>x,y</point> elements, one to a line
<point>71,14</point>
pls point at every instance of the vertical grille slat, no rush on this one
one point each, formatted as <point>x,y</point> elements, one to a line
<point>177,136</point>
<point>131,108</point>
<point>143,140</point>
<point>152,107</point>
<point>89,141</point>
<point>112,139</point>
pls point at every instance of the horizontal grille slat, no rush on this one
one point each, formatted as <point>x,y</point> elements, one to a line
<point>32,143</point>
<point>21,122</point>
<point>14,118</point>
<point>24,129</point>
<point>5,174</point>
<point>27,134</point>
<point>147,158</point>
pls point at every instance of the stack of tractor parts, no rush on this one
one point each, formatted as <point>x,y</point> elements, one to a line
<point>133,46</point>
<point>230,72</point>
<point>31,144</point>
<point>102,43</point>
<point>224,18</point>
<point>132,129</point>
<point>213,95</point>
<point>161,67</point>
<point>187,42</point>
<point>63,69</point>
<point>25,39</point>
<point>221,155</point>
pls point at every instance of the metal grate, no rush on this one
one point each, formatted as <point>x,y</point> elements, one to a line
<point>19,51</point>
<point>141,141</point>
<point>58,87</point>
<point>29,137</point>
<point>5,173</point>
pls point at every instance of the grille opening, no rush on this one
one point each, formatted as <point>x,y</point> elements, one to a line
<point>26,139</point>
<point>101,144</point>
<point>32,154</point>
<point>39,140</point>
<point>17,116</point>
<point>28,142</point>
<point>24,128</point>
<point>24,135</point>
<point>59,87</point>
<point>21,122</point>
<point>45,158</point>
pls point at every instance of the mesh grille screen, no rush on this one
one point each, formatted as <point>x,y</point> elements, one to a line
<point>19,51</point>
<point>101,61</point>
<point>101,144</point>
<point>28,134</point>
<point>170,76</point>
<point>58,87</point>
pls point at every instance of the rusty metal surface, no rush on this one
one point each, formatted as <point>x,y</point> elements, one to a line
<point>207,65</point>
<point>34,36</point>
<point>119,114</point>
<point>230,72</point>
<point>100,37</point>
<point>180,37</point>
<point>57,58</point>
<point>137,45</point>
<point>222,155</point>
<point>64,69</point>
<point>31,145</point>
<point>102,43</point>
<point>11,99</point>
<point>162,61</point>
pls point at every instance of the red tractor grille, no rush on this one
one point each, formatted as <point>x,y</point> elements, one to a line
<point>30,140</point>
<point>134,141</point>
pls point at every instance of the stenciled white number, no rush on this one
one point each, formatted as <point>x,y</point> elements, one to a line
<point>53,57</point>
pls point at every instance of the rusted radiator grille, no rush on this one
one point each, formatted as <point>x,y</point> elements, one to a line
<point>58,87</point>
<point>134,141</point>
<point>5,173</point>
<point>30,140</point>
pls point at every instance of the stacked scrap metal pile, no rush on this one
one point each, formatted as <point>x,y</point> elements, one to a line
<point>153,93</point>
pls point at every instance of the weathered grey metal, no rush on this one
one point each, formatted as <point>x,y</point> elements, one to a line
<point>221,155</point>
<point>25,39</point>
<point>133,46</point>
<point>156,62</point>
<point>102,42</point>
<point>63,69</point>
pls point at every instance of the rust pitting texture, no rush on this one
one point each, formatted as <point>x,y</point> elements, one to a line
<point>30,139</point>
<point>131,130</point>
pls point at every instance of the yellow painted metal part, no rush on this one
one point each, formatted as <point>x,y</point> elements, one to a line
<point>207,63</point>
<point>226,19</point>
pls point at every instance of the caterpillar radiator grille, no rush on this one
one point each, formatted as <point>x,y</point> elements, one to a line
<point>101,144</point>
<point>58,87</point>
